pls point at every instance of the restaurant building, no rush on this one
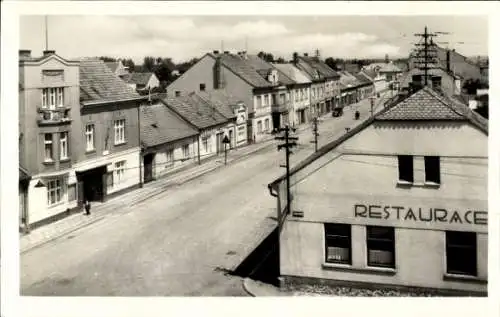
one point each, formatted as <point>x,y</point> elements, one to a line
<point>398,202</point>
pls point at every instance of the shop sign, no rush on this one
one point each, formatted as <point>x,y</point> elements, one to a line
<point>419,214</point>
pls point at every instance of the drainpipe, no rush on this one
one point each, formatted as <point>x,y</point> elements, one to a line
<point>140,145</point>
<point>199,157</point>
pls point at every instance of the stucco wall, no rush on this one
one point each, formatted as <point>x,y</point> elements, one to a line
<point>364,171</point>
<point>420,257</point>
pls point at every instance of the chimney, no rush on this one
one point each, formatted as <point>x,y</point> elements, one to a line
<point>48,52</point>
<point>25,53</point>
<point>218,80</point>
<point>305,54</point>
<point>295,58</point>
<point>216,52</point>
<point>226,52</point>
<point>448,61</point>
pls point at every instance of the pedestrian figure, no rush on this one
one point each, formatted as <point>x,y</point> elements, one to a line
<point>87,207</point>
<point>356,115</point>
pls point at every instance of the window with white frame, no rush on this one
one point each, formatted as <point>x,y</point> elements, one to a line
<point>60,96</point>
<point>259,126</point>
<point>54,191</point>
<point>89,137</point>
<point>266,124</point>
<point>205,144</point>
<point>119,176</point>
<point>52,96</point>
<point>185,150</point>
<point>45,98</point>
<point>259,101</point>
<point>119,131</point>
<point>63,145</point>
<point>266,100</point>
<point>48,146</point>
<point>338,243</point>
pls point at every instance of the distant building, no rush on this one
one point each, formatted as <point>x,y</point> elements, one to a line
<point>391,72</point>
<point>401,201</point>
<point>379,80</point>
<point>142,82</point>
<point>118,68</point>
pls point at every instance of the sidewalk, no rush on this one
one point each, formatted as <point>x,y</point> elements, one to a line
<point>259,289</point>
<point>52,231</point>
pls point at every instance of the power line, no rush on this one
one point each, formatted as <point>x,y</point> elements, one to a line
<point>289,143</point>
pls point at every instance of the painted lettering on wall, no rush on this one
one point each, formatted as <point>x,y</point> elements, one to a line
<point>419,214</point>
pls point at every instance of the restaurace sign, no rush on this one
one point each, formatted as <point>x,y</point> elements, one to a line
<point>419,214</point>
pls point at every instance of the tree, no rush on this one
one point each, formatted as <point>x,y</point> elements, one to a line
<point>128,62</point>
<point>107,59</point>
<point>149,64</point>
<point>331,63</point>
<point>268,57</point>
<point>280,60</point>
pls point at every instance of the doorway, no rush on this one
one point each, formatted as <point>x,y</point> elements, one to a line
<point>91,184</point>
<point>219,145</point>
<point>148,167</point>
<point>276,120</point>
<point>231,141</point>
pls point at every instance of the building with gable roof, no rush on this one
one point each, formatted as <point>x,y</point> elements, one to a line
<point>255,82</point>
<point>300,93</point>
<point>325,87</point>
<point>400,201</point>
<point>379,80</point>
<point>118,68</point>
<point>142,82</point>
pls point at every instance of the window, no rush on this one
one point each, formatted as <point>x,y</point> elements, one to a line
<point>89,137</point>
<point>45,98</point>
<point>389,77</point>
<point>461,253</point>
<point>432,170</point>
<point>119,131</point>
<point>169,156</point>
<point>259,126</point>
<point>63,145</point>
<point>282,99</point>
<point>205,144</point>
<point>202,87</point>
<point>54,191</point>
<point>296,95</point>
<point>436,82</point>
<point>185,150</point>
<point>266,124</point>
<point>405,163</point>
<point>52,95</point>
<point>48,147</point>
<point>380,246</point>
<point>177,93</point>
<point>60,96</point>
<point>259,101</point>
<point>338,243</point>
<point>119,172</point>
<point>266,100</point>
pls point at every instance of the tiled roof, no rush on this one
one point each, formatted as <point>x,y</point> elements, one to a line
<point>160,125</point>
<point>99,84</point>
<point>196,111</point>
<point>372,74</point>
<point>348,80</point>
<point>112,65</point>
<point>426,94</point>
<point>352,68</point>
<point>384,67</point>
<point>362,79</point>
<point>293,73</point>
<point>315,64</point>
<point>138,78</point>
<point>222,100</point>
<point>429,105</point>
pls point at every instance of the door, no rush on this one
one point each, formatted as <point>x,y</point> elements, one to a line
<point>219,145</point>
<point>231,141</point>
<point>80,194</point>
<point>148,167</point>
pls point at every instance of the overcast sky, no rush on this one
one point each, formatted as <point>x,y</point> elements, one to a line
<point>184,37</point>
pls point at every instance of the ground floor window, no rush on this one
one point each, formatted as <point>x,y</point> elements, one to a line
<point>54,191</point>
<point>259,126</point>
<point>185,150</point>
<point>461,253</point>
<point>380,246</point>
<point>205,144</point>
<point>266,125</point>
<point>338,243</point>
<point>119,176</point>
<point>169,156</point>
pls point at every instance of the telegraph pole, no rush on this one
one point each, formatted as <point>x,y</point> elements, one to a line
<point>289,143</point>
<point>315,133</point>
<point>426,53</point>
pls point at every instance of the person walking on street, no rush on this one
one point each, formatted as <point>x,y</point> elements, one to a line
<point>87,207</point>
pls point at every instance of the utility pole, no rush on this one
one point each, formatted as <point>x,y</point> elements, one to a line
<point>426,53</point>
<point>46,34</point>
<point>289,143</point>
<point>315,133</point>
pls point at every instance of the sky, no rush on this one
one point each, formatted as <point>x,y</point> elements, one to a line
<point>184,37</point>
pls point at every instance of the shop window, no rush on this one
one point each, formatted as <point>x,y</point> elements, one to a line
<point>119,176</point>
<point>54,191</point>
<point>338,243</point>
<point>432,169</point>
<point>380,246</point>
<point>461,253</point>
<point>405,164</point>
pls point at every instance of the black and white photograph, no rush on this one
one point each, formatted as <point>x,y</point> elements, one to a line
<point>214,155</point>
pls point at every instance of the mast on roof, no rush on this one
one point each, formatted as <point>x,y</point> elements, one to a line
<point>426,53</point>
<point>46,33</point>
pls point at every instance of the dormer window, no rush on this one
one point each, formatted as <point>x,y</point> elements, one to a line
<point>273,76</point>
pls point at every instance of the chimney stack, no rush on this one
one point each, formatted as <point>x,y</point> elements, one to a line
<point>48,52</point>
<point>226,52</point>
<point>218,76</point>
<point>216,52</point>
<point>25,53</point>
<point>305,54</point>
<point>295,58</point>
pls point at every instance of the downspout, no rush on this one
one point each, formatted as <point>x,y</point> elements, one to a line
<point>199,157</point>
<point>140,145</point>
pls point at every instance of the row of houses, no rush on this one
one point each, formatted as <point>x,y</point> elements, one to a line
<point>85,134</point>
<point>279,94</point>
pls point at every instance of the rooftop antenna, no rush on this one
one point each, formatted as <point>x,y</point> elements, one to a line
<point>46,33</point>
<point>426,56</point>
<point>222,47</point>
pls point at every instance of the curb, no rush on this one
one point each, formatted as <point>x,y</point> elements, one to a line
<point>245,287</point>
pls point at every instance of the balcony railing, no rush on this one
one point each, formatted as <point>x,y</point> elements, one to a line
<point>53,116</point>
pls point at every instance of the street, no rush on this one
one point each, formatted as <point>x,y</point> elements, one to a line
<point>178,243</point>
